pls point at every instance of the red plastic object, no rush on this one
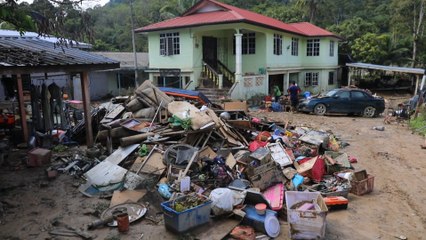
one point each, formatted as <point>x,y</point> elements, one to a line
<point>336,202</point>
<point>260,208</point>
<point>275,196</point>
<point>253,146</point>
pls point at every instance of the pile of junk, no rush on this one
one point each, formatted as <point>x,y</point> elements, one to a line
<point>172,157</point>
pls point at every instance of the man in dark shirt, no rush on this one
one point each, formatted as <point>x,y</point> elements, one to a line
<point>294,91</point>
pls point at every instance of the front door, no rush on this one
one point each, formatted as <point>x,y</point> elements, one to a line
<point>210,51</point>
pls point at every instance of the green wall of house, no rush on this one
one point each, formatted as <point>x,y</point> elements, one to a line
<point>191,54</point>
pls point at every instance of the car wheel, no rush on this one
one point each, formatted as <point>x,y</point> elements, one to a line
<point>369,112</point>
<point>320,109</point>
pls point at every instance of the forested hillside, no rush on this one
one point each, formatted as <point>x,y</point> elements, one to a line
<point>375,31</point>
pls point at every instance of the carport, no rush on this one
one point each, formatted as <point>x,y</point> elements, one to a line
<point>418,72</point>
<point>26,56</point>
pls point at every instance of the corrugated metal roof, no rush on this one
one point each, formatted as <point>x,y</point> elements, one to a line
<point>127,59</point>
<point>11,34</point>
<point>36,53</point>
<point>387,68</point>
<point>228,14</point>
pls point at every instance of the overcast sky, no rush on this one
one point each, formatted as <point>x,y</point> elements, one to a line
<point>86,3</point>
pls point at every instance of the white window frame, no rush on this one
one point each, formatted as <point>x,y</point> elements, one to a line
<point>331,48</point>
<point>169,44</point>
<point>294,46</point>
<point>311,79</point>
<point>313,47</point>
<point>248,43</point>
<point>278,44</point>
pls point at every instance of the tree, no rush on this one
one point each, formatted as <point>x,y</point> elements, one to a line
<point>409,18</point>
<point>371,48</point>
<point>351,30</point>
<point>62,18</point>
<point>311,6</point>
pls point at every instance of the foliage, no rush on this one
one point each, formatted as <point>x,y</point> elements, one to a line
<point>378,31</point>
<point>418,124</point>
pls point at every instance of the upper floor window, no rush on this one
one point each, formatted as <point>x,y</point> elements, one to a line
<point>248,43</point>
<point>330,78</point>
<point>311,79</point>
<point>331,48</point>
<point>294,46</point>
<point>313,47</point>
<point>278,44</point>
<point>169,44</point>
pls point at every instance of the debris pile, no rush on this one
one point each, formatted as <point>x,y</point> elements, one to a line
<point>200,166</point>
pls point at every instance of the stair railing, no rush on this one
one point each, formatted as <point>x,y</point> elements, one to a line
<point>226,72</point>
<point>210,73</point>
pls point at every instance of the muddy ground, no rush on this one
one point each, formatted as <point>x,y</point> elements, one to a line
<point>31,206</point>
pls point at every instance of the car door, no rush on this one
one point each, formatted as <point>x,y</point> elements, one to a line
<point>341,102</point>
<point>359,101</point>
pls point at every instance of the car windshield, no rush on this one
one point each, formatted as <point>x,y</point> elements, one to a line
<point>332,92</point>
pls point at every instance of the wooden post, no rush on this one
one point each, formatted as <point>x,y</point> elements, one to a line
<point>22,112</point>
<point>84,78</point>
<point>417,85</point>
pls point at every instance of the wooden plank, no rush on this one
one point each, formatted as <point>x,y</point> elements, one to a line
<point>86,106</point>
<point>22,112</point>
<point>105,173</point>
<point>119,197</point>
<point>121,153</point>
<point>216,229</point>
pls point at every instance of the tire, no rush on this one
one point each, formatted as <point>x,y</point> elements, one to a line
<point>320,109</point>
<point>369,112</point>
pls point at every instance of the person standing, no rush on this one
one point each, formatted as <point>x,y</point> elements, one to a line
<point>294,91</point>
<point>277,93</point>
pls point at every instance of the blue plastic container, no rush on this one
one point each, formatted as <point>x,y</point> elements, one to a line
<point>259,222</point>
<point>186,220</point>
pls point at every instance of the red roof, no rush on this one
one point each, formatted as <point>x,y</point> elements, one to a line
<point>231,14</point>
<point>310,29</point>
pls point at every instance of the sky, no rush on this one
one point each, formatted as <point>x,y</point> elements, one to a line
<point>86,3</point>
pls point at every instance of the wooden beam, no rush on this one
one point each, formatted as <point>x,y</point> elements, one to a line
<point>22,112</point>
<point>84,77</point>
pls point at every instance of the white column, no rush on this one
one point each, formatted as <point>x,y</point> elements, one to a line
<point>287,83</point>
<point>238,56</point>
<point>220,81</point>
<point>349,77</point>
<point>423,82</point>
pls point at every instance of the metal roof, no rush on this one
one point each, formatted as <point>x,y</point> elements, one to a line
<point>419,71</point>
<point>127,59</point>
<point>35,55</point>
<point>11,34</point>
<point>208,12</point>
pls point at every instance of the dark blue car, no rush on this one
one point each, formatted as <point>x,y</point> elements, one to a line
<point>346,101</point>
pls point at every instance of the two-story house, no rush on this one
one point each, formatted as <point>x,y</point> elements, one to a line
<point>218,45</point>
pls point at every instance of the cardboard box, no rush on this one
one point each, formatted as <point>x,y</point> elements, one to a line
<point>235,106</point>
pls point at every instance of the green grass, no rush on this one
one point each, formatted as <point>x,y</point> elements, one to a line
<point>418,124</point>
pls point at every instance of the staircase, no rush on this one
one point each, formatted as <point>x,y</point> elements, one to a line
<point>212,73</point>
<point>215,95</point>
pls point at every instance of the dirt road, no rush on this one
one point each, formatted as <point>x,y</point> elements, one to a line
<point>397,206</point>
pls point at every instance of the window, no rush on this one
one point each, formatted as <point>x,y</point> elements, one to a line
<point>311,79</point>
<point>343,94</point>
<point>313,47</point>
<point>331,48</point>
<point>169,44</point>
<point>358,95</point>
<point>248,43</point>
<point>294,46</point>
<point>330,78</point>
<point>278,44</point>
